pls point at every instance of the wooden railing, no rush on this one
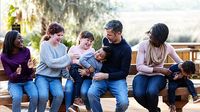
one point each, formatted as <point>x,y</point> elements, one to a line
<point>184,54</point>
<point>186,45</point>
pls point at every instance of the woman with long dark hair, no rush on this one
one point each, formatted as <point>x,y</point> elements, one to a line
<point>150,79</point>
<point>18,66</point>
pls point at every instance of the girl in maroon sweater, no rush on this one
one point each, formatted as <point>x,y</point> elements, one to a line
<point>18,67</point>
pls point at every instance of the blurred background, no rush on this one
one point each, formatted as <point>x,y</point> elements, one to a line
<point>32,17</point>
<point>137,16</point>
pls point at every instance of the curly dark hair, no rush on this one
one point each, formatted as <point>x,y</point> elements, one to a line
<point>189,67</point>
<point>108,51</point>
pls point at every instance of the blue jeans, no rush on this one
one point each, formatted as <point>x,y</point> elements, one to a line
<point>69,96</point>
<point>16,91</point>
<point>69,88</point>
<point>146,90</point>
<point>173,85</point>
<point>118,88</point>
<point>46,85</point>
<point>84,92</point>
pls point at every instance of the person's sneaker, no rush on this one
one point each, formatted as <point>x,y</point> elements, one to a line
<point>172,108</point>
<point>196,99</point>
<point>73,108</point>
<point>78,102</point>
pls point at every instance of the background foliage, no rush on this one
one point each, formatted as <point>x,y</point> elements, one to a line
<point>74,15</point>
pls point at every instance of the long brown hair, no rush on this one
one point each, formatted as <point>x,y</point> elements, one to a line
<point>52,29</point>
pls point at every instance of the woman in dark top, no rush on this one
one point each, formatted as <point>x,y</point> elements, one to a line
<point>19,68</point>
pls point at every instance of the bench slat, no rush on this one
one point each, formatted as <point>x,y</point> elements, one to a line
<point>180,91</point>
<point>6,99</point>
<point>3,76</point>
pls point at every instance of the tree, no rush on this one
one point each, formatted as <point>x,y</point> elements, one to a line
<point>75,15</point>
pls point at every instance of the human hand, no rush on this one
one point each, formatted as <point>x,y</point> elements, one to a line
<point>100,76</point>
<point>177,76</point>
<point>68,67</point>
<point>91,69</point>
<point>164,71</point>
<point>18,70</point>
<point>31,63</point>
<point>83,72</point>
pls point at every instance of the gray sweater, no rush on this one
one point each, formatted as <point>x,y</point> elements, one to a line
<point>52,59</point>
<point>88,60</point>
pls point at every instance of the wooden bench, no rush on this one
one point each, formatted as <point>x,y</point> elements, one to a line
<point>5,98</point>
<point>182,93</point>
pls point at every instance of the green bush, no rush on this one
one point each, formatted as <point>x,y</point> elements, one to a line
<point>97,41</point>
<point>33,40</point>
<point>67,43</point>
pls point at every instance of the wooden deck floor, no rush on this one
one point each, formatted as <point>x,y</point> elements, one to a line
<point>133,106</point>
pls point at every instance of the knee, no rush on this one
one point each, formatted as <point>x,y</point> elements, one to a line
<point>84,93</point>
<point>59,96</point>
<point>138,93</point>
<point>152,93</point>
<point>68,90</point>
<point>43,97</point>
<point>17,98</point>
<point>34,98</point>
<point>91,94</point>
<point>69,86</point>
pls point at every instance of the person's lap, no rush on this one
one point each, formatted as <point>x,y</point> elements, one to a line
<point>146,89</point>
<point>118,88</point>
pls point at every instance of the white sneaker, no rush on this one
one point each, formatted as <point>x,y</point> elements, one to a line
<point>196,99</point>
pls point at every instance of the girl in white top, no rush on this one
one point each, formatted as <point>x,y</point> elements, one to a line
<point>150,59</point>
<point>84,44</point>
<point>80,87</point>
